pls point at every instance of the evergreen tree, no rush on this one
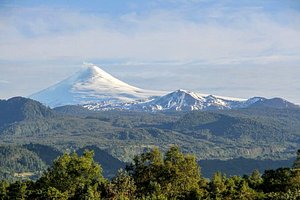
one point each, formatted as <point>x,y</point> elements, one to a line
<point>244,192</point>
<point>255,180</point>
<point>278,180</point>
<point>181,174</point>
<point>4,189</point>
<point>146,170</point>
<point>122,187</point>
<point>217,186</point>
<point>18,190</point>
<point>53,193</point>
<point>151,176</point>
<point>176,176</point>
<point>73,176</point>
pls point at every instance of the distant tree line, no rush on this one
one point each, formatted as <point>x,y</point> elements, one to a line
<point>152,175</point>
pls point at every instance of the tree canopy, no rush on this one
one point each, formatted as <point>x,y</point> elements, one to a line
<point>151,175</point>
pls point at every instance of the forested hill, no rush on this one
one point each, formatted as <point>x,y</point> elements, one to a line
<point>31,160</point>
<point>263,125</point>
<point>253,133</point>
<point>152,175</point>
<point>18,109</point>
<point>17,162</point>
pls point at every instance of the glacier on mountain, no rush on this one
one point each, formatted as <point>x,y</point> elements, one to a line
<point>179,100</point>
<point>91,85</point>
<point>97,90</point>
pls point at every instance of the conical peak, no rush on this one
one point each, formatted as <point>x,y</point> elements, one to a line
<point>93,70</point>
<point>93,78</point>
<point>92,73</point>
<point>91,85</point>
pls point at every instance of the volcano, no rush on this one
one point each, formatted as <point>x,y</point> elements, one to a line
<point>91,85</point>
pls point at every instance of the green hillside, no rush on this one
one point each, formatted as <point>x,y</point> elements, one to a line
<point>18,109</point>
<point>152,175</point>
<point>254,133</point>
<point>17,162</point>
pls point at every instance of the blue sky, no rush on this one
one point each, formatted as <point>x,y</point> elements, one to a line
<point>229,48</point>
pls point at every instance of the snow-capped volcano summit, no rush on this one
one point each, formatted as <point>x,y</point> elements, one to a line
<point>95,89</point>
<point>91,85</point>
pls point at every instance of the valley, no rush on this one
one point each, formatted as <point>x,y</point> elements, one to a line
<point>256,134</point>
<point>94,110</point>
<point>150,100</point>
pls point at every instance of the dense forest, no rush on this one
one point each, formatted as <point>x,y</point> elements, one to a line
<point>152,175</point>
<point>19,162</point>
<point>29,161</point>
<point>256,133</point>
<point>234,142</point>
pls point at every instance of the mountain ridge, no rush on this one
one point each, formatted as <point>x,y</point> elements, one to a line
<point>17,109</point>
<point>95,89</point>
<point>183,100</point>
<point>251,132</point>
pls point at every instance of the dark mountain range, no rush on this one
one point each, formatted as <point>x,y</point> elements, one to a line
<point>241,166</point>
<point>18,109</point>
<point>258,133</point>
<point>74,110</point>
<point>236,126</point>
<point>45,152</point>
